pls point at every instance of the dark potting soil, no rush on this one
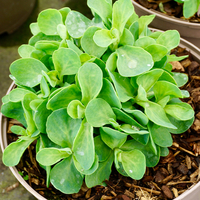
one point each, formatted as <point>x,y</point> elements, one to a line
<point>173,175</point>
<point>170,7</point>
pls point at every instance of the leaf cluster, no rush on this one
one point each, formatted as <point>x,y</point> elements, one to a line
<point>95,93</point>
<point>190,7</point>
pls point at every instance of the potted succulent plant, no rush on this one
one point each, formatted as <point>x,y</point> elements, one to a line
<point>187,29</point>
<point>93,94</point>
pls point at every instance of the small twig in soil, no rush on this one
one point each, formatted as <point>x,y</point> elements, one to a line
<point>181,148</point>
<point>180,182</point>
<point>143,188</point>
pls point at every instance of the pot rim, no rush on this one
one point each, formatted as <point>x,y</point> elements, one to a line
<point>167,17</point>
<point>194,50</point>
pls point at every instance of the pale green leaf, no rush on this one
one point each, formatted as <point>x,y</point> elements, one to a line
<point>83,146</point>
<point>27,71</point>
<point>90,78</point>
<point>69,182</point>
<point>61,128</point>
<point>50,156</point>
<point>48,20</point>
<point>133,61</point>
<point>98,113</point>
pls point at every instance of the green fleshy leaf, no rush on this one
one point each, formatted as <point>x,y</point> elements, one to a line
<point>161,136</point>
<point>133,61</point>
<point>14,110</point>
<point>163,88</point>
<point>48,20</point>
<point>122,11</point>
<point>157,115</point>
<point>134,163</point>
<point>180,111</point>
<point>148,79</point>
<point>122,116</point>
<point>103,38</point>
<point>88,171</point>
<point>41,115</point>
<point>13,152</point>
<point>61,128</point>
<point>90,78</point>
<point>103,112</point>
<point>102,8</point>
<point>108,94</point>
<point>144,41</point>
<point>76,109</point>
<point>124,89</point>
<point>101,149</point>
<point>84,153</point>
<point>170,39</point>
<point>27,71</point>
<point>25,50</point>
<point>69,182</point>
<point>157,51</point>
<point>66,62</point>
<point>112,138</point>
<point>63,97</point>
<point>89,45</point>
<point>102,173</point>
<point>50,156</point>
<point>180,78</point>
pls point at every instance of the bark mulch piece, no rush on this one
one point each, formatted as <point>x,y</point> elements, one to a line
<point>168,7</point>
<point>172,176</point>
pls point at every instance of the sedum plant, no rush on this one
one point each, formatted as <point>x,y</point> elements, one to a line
<point>95,93</point>
<point>190,7</point>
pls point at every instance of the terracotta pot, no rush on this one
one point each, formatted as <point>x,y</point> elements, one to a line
<point>189,31</point>
<point>13,13</point>
<point>192,194</point>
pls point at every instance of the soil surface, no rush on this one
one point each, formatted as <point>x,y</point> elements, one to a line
<point>173,175</point>
<point>169,7</point>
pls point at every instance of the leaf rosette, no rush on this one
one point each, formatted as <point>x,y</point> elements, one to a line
<point>95,93</point>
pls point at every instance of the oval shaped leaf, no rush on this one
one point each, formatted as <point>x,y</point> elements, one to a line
<point>66,61</point>
<point>180,111</point>
<point>90,79</point>
<point>102,8</point>
<point>76,109</point>
<point>133,61</point>
<point>157,115</point>
<point>161,136</point>
<point>112,138</point>
<point>77,24</point>
<point>63,97</point>
<point>83,146</point>
<point>108,93</point>
<point>163,88</point>
<point>41,115</point>
<point>98,112</point>
<point>69,182</point>
<point>101,149</point>
<point>101,174</point>
<point>88,44</point>
<point>103,38</point>
<point>13,152</point>
<point>50,156</point>
<point>48,20</point>
<point>89,171</point>
<point>61,128</point>
<point>134,163</point>
<point>157,51</point>
<point>28,71</point>
<point>170,39</point>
